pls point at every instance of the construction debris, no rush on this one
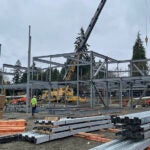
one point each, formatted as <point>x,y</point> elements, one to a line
<point>50,130</point>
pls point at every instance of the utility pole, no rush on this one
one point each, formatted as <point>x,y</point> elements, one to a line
<point>0,48</point>
<point>1,70</point>
<point>28,71</point>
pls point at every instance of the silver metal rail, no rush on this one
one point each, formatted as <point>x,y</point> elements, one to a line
<point>124,145</point>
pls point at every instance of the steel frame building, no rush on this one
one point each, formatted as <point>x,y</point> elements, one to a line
<point>113,79</point>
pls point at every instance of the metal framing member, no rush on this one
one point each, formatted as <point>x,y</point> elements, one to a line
<point>105,57</point>
<point>14,66</point>
<point>82,61</point>
<point>138,69</point>
<point>99,68</point>
<point>28,71</point>
<point>76,120</point>
<point>47,61</point>
<point>41,138</point>
<point>75,126</point>
<point>124,145</point>
<point>91,79</point>
<point>57,55</point>
<point>106,145</point>
<point>7,73</point>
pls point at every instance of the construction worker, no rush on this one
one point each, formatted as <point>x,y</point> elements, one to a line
<point>6,104</point>
<point>33,104</point>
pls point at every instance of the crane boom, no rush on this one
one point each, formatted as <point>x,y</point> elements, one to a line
<point>91,25</point>
<point>85,38</point>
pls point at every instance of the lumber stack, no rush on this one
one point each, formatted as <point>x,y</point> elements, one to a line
<point>2,102</point>
<point>46,130</point>
<point>8,127</point>
<point>134,126</point>
<point>93,137</point>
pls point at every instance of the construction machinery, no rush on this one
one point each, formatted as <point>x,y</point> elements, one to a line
<point>61,94</point>
<point>81,50</point>
<point>67,93</point>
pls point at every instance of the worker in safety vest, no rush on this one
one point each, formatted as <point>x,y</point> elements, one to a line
<point>33,104</point>
<point>6,104</point>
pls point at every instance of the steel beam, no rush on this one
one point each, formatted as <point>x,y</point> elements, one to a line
<point>47,61</point>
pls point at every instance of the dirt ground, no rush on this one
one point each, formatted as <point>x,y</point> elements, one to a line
<point>69,143</point>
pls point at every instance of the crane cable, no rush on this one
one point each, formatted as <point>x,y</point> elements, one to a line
<point>146,38</point>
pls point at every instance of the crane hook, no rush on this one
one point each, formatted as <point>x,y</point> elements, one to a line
<point>146,40</point>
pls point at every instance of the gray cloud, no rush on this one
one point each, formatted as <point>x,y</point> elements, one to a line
<point>55,25</point>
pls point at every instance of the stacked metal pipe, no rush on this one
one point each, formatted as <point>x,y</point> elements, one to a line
<point>134,126</point>
<point>45,130</point>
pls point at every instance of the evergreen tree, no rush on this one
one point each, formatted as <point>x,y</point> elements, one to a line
<point>81,36</point>
<point>139,53</point>
<point>24,77</point>
<point>84,71</point>
<point>55,74</point>
<point>17,72</point>
<point>61,74</point>
<point>24,74</point>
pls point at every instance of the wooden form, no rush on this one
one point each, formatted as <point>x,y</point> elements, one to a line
<point>93,137</point>
<point>12,126</point>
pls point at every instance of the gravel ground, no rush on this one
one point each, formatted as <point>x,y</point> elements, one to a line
<point>74,143</point>
<point>69,143</point>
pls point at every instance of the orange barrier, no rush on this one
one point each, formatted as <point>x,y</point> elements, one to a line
<point>93,137</point>
<point>12,126</point>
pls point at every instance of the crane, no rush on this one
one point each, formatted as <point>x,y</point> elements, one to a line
<point>84,39</point>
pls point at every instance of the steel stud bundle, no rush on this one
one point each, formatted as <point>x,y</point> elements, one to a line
<point>50,130</point>
<point>134,126</point>
<point>124,145</point>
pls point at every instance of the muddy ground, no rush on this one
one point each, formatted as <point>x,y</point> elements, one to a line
<point>69,143</point>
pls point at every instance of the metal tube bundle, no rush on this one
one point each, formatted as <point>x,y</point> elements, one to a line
<point>50,130</point>
<point>124,144</point>
<point>134,126</point>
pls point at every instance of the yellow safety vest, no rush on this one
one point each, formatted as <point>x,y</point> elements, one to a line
<point>33,101</point>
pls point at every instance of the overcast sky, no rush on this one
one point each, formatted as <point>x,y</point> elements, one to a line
<point>55,25</point>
